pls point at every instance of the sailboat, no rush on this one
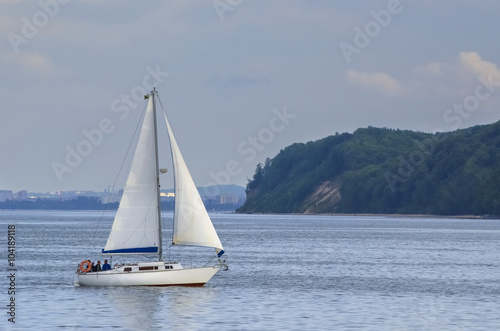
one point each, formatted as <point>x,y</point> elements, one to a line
<point>137,224</point>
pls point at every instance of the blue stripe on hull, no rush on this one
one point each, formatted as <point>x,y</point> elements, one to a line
<point>137,250</point>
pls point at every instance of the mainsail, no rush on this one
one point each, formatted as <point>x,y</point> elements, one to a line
<point>136,228</point>
<point>192,225</point>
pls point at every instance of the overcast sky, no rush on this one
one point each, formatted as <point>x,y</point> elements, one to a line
<point>239,79</point>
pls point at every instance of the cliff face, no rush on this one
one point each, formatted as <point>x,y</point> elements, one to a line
<point>383,171</point>
<point>324,199</point>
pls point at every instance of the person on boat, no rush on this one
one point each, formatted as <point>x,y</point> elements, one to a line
<point>106,266</point>
<point>98,266</point>
<point>93,268</point>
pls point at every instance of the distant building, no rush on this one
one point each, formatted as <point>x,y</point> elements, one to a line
<point>110,199</point>
<point>228,199</point>
<point>22,195</point>
<point>6,195</point>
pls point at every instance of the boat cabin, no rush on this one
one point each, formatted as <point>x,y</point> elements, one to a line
<point>148,266</point>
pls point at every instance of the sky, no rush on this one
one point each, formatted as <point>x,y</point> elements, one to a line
<point>239,79</point>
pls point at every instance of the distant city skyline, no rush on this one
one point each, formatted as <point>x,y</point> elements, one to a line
<point>239,80</point>
<point>165,192</point>
<point>105,200</point>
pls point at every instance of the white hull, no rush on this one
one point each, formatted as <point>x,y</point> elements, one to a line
<point>167,277</point>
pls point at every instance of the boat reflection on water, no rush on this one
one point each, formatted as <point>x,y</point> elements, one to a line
<point>142,308</point>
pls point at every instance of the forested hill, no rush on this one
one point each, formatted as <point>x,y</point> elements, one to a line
<point>383,171</point>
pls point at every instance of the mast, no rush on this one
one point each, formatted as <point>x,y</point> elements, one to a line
<point>160,248</point>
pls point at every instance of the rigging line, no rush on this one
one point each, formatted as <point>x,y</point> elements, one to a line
<point>121,166</point>
<point>164,113</point>
<point>159,100</point>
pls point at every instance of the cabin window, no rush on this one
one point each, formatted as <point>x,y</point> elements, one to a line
<point>148,268</point>
<point>127,269</point>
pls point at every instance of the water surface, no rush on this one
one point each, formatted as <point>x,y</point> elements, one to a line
<point>286,273</point>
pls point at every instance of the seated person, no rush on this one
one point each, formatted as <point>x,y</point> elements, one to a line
<point>106,266</point>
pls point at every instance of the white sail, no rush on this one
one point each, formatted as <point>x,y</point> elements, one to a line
<point>136,228</point>
<point>192,225</point>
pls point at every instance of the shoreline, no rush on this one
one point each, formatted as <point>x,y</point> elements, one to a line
<point>493,217</point>
<point>383,215</point>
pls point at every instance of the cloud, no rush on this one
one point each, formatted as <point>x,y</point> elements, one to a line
<point>433,69</point>
<point>28,69</point>
<point>467,66</point>
<point>32,61</point>
<point>432,80</point>
<point>472,62</point>
<point>452,79</point>
<point>378,81</point>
